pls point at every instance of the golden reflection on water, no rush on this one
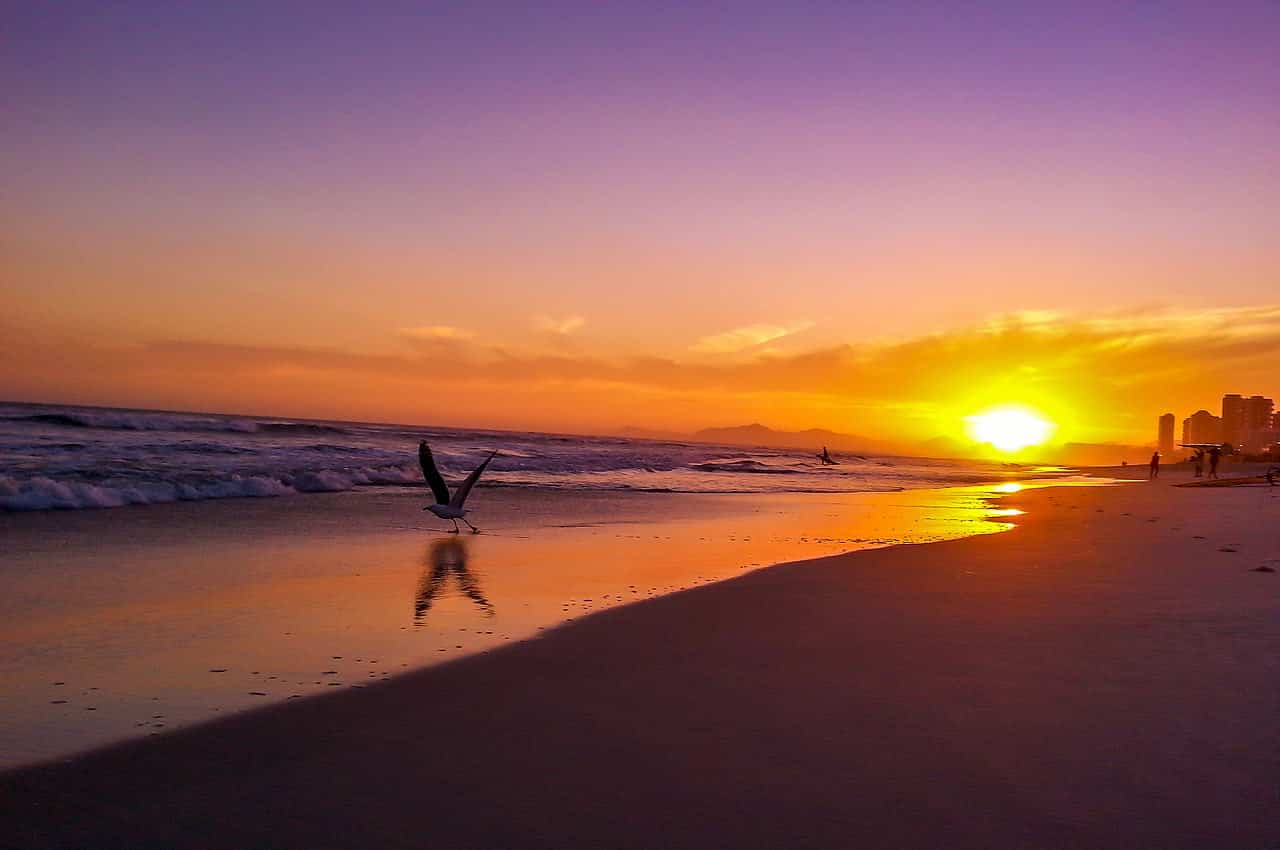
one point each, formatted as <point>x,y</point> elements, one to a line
<point>110,633</point>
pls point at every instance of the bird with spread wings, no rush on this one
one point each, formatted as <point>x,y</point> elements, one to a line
<point>447,507</point>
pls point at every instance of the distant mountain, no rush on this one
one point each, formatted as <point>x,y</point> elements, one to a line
<point>813,439</point>
<point>810,440</point>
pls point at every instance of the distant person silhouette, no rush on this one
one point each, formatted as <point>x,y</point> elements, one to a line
<point>825,457</point>
<point>1215,454</point>
<point>1198,459</point>
<point>1154,471</point>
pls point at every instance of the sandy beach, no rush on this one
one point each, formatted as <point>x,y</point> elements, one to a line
<point>1102,676</point>
<point>136,621</point>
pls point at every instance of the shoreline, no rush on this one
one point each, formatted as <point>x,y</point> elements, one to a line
<point>189,612</point>
<point>997,690</point>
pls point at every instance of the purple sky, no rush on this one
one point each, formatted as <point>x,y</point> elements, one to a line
<point>327,174</point>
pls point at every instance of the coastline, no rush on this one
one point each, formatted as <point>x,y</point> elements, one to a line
<point>134,621</point>
<point>1101,676</point>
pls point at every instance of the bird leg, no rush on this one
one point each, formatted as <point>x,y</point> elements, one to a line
<point>455,527</point>
<point>474,530</point>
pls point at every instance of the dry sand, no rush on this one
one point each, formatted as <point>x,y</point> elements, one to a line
<point>1105,675</point>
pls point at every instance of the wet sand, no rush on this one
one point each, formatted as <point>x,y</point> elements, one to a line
<point>134,621</point>
<point>1104,675</point>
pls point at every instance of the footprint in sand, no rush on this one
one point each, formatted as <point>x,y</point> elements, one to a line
<point>1262,569</point>
<point>1226,549</point>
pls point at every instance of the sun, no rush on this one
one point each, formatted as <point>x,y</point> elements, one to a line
<point>1010,428</point>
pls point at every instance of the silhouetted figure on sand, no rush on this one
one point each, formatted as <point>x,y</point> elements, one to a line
<point>825,457</point>
<point>1215,454</point>
<point>1154,471</point>
<point>1198,458</point>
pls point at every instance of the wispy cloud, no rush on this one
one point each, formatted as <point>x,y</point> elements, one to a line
<point>561,327</point>
<point>747,336</point>
<point>1104,377</point>
<point>431,333</point>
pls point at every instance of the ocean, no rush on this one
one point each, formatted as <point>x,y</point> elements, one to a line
<point>159,570</point>
<point>55,457</point>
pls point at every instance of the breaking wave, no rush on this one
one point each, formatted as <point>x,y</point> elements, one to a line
<point>165,422</point>
<point>41,493</point>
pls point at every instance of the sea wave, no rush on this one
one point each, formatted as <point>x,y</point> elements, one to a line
<point>298,428</point>
<point>41,493</point>
<point>163,422</point>
<point>54,457</point>
<point>751,467</point>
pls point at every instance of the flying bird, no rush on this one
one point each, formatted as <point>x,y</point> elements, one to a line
<point>446,507</point>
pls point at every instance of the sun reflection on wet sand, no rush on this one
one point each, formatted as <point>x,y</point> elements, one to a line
<point>114,630</point>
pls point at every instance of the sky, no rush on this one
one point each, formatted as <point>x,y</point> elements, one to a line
<point>870,217</point>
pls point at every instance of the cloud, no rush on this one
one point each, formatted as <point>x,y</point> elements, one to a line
<point>747,336</point>
<point>436,333</point>
<point>560,327</point>
<point>1103,377</point>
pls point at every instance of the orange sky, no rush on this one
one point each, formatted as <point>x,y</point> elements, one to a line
<point>870,219</point>
<point>1103,378</point>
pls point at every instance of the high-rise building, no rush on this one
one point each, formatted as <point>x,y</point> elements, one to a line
<point>1258,433</point>
<point>1202,427</point>
<point>1166,434</point>
<point>1247,422</point>
<point>1233,418</point>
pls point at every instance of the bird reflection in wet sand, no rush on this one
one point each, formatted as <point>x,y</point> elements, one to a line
<point>445,558</point>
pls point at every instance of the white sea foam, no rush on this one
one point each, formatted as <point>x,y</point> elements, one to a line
<point>40,493</point>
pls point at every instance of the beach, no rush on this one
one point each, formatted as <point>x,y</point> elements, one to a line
<point>135,621</point>
<point>1103,675</point>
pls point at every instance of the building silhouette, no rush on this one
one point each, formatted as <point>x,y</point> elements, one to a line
<point>1166,434</point>
<point>1248,424</point>
<point>1259,433</point>
<point>1233,418</point>
<point>1202,427</point>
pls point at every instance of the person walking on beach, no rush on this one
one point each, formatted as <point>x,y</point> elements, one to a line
<point>1199,461</point>
<point>1215,454</point>
<point>1154,471</point>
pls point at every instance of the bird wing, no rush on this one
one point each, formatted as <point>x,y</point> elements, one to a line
<point>429,472</point>
<point>461,495</point>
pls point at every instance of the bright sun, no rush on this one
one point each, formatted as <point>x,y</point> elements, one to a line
<point>1009,429</point>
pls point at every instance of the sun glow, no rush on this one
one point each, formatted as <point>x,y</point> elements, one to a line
<point>1009,429</point>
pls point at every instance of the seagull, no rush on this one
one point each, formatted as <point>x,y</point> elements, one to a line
<point>445,507</point>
